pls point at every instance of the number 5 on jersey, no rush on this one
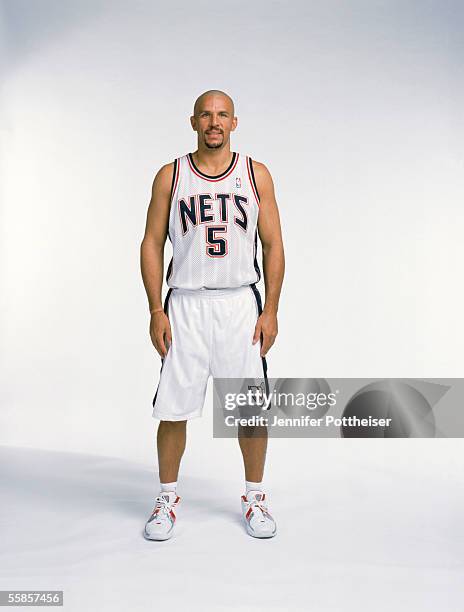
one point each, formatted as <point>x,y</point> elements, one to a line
<point>216,245</point>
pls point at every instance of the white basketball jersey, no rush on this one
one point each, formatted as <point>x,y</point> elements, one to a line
<point>213,226</point>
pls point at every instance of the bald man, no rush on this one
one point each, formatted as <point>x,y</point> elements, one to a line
<point>212,204</point>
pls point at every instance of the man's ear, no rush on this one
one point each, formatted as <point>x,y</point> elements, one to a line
<point>234,123</point>
<point>192,122</point>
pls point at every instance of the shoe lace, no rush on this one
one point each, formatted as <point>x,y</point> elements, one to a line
<point>260,507</point>
<point>162,505</point>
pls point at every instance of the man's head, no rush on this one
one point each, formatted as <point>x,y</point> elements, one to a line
<point>213,118</point>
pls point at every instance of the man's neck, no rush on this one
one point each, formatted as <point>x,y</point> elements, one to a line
<point>212,161</point>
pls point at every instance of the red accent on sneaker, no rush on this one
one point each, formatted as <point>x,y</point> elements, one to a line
<point>249,511</point>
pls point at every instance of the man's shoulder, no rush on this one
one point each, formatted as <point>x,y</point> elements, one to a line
<point>168,167</point>
<point>257,165</point>
<point>260,169</point>
<point>164,175</point>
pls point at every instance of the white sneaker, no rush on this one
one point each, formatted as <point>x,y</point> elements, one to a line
<point>258,521</point>
<point>160,525</point>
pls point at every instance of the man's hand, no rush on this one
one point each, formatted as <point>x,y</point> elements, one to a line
<point>266,325</point>
<point>160,332</point>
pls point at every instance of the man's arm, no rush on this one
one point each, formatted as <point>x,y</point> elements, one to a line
<point>273,256</point>
<point>152,255</point>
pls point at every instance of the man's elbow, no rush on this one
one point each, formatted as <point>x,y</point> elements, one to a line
<point>150,244</point>
<point>273,246</point>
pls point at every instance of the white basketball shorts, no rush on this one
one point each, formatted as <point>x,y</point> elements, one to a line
<point>212,333</point>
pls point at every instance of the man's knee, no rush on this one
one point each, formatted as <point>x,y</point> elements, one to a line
<point>252,431</point>
<point>174,425</point>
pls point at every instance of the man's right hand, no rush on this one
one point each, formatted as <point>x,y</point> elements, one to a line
<point>160,332</point>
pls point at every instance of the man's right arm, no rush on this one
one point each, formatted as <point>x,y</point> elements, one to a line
<point>152,250</point>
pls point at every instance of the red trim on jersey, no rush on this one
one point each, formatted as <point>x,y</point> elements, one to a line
<point>213,180</point>
<point>251,181</point>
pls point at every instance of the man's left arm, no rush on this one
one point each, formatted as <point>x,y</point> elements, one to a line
<point>270,235</point>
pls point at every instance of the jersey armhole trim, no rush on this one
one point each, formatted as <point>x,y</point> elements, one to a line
<point>251,176</point>
<point>175,179</point>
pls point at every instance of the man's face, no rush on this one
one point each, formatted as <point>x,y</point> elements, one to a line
<point>214,121</point>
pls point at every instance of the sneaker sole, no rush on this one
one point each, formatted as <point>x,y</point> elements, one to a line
<point>260,537</point>
<point>147,536</point>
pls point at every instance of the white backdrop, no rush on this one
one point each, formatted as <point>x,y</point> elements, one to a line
<point>356,109</point>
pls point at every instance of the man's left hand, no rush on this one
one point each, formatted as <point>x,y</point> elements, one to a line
<point>266,325</point>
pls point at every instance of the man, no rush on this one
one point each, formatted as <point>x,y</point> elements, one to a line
<point>211,204</point>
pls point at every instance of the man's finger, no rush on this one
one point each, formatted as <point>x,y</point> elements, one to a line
<point>257,333</point>
<point>268,341</point>
<point>162,347</point>
<point>265,346</point>
<point>155,344</point>
<point>168,335</point>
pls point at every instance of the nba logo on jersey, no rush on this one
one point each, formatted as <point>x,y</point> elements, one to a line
<point>238,182</point>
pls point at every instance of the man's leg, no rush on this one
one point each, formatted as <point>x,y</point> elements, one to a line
<point>258,520</point>
<point>236,357</point>
<point>253,444</point>
<point>171,445</point>
<point>180,397</point>
<point>171,440</point>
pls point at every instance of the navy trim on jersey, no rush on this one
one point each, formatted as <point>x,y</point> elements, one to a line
<point>173,179</point>
<point>260,310</point>
<point>175,176</point>
<point>169,272</point>
<point>253,178</point>
<point>166,305</point>
<point>255,262</point>
<point>213,176</point>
